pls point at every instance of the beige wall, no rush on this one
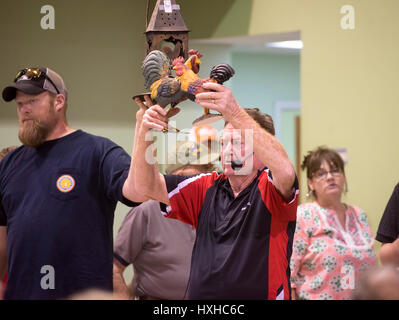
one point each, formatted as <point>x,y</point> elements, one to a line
<point>348,87</point>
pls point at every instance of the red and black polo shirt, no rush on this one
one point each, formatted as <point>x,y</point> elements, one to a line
<point>243,245</point>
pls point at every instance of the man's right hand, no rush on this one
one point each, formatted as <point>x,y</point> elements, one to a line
<point>155,118</point>
<point>143,106</point>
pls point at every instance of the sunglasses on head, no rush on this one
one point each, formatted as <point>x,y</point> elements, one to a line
<point>34,74</point>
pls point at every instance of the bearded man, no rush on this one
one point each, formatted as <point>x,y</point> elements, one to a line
<point>58,194</point>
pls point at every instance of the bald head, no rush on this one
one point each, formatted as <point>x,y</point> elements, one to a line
<point>380,283</point>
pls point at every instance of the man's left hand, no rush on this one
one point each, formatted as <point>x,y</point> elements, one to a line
<point>218,98</point>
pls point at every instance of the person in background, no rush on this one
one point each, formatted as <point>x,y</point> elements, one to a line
<point>93,294</point>
<point>379,283</point>
<point>6,151</point>
<point>3,239</point>
<point>388,230</point>
<point>207,134</point>
<point>333,242</point>
<point>3,260</point>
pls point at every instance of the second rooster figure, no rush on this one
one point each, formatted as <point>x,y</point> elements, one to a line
<point>168,89</point>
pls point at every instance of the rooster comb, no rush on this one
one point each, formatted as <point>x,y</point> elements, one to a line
<point>177,61</point>
<point>193,52</point>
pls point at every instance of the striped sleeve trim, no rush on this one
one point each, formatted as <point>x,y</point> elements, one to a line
<point>268,176</point>
<point>295,196</point>
<point>185,183</point>
<point>293,188</point>
<point>165,210</point>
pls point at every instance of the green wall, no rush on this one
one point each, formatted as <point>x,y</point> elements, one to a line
<point>261,80</point>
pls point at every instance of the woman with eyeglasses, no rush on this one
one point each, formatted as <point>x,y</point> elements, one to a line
<point>333,242</point>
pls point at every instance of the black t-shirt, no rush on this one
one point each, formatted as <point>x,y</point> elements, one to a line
<point>58,202</point>
<point>243,244</point>
<point>388,230</point>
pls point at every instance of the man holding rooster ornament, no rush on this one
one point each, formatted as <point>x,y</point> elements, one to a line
<point>245,218</point>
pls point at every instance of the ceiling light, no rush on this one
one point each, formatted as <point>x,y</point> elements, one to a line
<point>292,44</point>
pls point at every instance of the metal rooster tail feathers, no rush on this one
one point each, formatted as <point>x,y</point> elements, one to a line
<point>222,72</point>
<point>155,66</point>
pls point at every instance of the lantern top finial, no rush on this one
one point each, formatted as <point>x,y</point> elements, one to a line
<point>166,17</point>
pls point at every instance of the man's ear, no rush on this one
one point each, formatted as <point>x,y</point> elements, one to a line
<point>59,102</point>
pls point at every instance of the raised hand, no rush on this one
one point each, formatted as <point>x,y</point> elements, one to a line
<point>155,118</point>
<point>219,98</point>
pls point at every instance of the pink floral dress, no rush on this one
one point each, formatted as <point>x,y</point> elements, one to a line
<point>326,258</point>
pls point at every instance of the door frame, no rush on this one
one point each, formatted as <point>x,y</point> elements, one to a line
<point>279,108</point>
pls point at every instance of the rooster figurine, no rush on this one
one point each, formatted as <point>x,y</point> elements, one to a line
<point>166,89</point>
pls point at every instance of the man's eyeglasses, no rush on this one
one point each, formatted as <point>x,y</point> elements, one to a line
<point>34,74</point>
<point>322,174</point>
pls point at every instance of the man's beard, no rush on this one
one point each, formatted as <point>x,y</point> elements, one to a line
<point>32,133</point>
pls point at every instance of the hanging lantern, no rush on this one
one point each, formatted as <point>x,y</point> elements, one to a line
<point>167,31</point>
